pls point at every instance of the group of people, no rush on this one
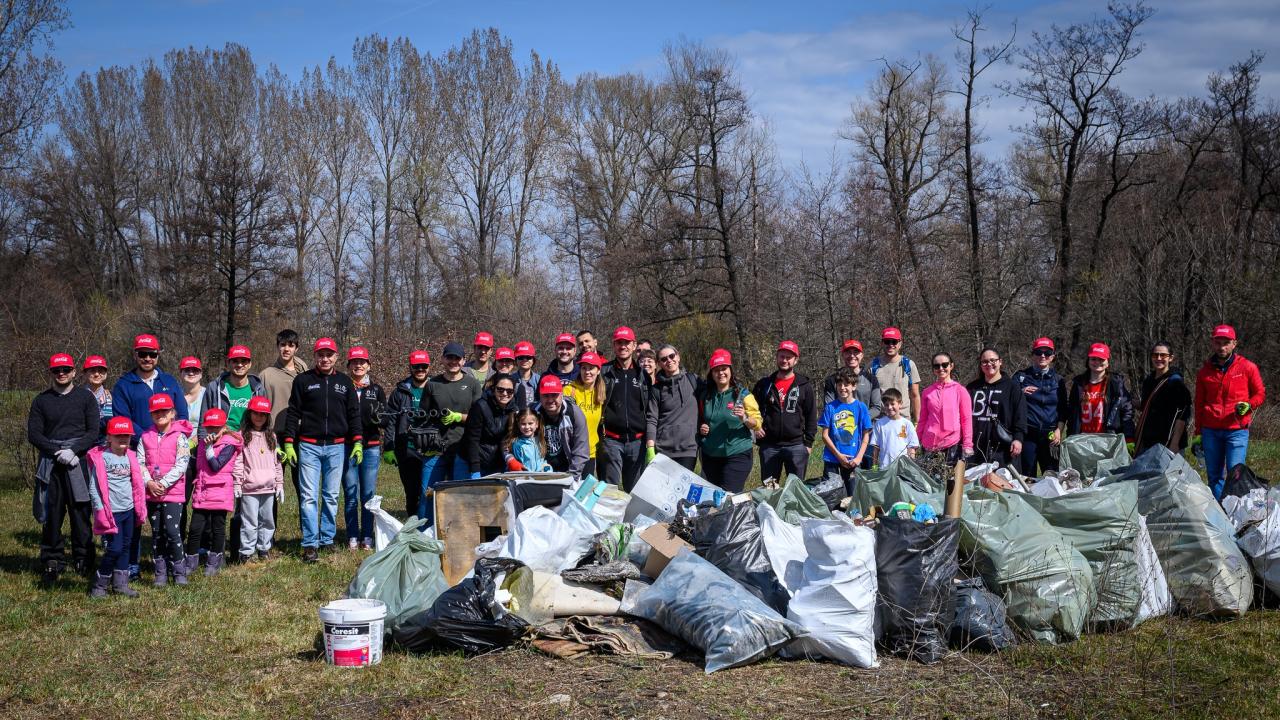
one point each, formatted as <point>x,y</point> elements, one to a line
<point>184,456</point>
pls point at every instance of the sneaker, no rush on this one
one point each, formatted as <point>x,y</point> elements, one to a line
<point>309,555</point>
<point>367,544</point>
<point>49,576</point>
<point>353,544</point>
<point>264,555</point>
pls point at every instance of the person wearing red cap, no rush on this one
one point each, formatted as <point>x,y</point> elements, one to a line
<point>1099,401</point>
<point>672,414</point>
<point>868,390</point>
<point>234,387</point>
<point>565,365</point>
<point>191,378</point>
<point>729,424</point>
<point>564,428</point>
<point>360,481</point>
<point>893,369</point>
<point>217,458</point>
<point>62,425</point>
<point>164,453</point>
<point>504,363</point>
<point>623,420</point>
<point>1045,392</point>
<point>1164,410</point>
<point>447,400</point>
<point>132,392</point>
<point>95,374</point>
<point>790,413</point>
<point>119,504</point>
<point>487,425</point>
<point>588,393</point>
<point>259,481</point>
<point>1229,390</point>
<point>526,377</point>
<point>481,356</point>
<point>399,441</point>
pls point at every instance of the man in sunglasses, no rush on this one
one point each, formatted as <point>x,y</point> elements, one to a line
<point>895,370</point>
<point>1045,392</point>
<point>399,448</point>
<point>63,425</point>
<point>131,395</point>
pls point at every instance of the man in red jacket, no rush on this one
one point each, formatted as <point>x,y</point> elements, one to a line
<point>1228,391</point>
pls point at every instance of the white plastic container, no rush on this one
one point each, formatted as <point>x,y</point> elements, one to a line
<point>353,632</point>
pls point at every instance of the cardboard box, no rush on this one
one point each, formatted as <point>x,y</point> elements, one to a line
<point>665,547</point>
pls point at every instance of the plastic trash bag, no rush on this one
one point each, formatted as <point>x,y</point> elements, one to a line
<point>1240,480</point>
<point>1102,523</point>
<point>545,541</point>
<point>696,602</point>
<point>1093,454</point>
<point>1207,573</point>
<point>830,489</point>
<point>1261,542</point>
<point>981,620</point>
<point>785,544</point>
<point>915,567</point>
<point>385,526</point>
<point>901,481</point>
<point>730,539</point>
<point>468,615</point>
<point>836,601</point>
<point>405,576</point>
<point>793,501</point>
<point>1046,584</point>
<point>1156,600</point>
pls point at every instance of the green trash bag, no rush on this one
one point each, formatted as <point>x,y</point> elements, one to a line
<point>793,501</point>
<point>901,481</point>
<point>405,575</point>
<point>1045,582</point>
<point>1102,523</point>
<point>1094,454</point>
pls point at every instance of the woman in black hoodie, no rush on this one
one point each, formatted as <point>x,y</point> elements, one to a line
<point>1099,401</point>
<point>999,411</point>
<point>487,426</point>
<point>1166,403</point>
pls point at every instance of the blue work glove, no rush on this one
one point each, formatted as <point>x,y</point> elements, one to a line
<point>475,476</point>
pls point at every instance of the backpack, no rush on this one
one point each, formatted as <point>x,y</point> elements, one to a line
<point>904,361</point>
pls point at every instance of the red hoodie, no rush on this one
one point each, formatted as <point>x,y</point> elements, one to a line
<point>1218,391</point>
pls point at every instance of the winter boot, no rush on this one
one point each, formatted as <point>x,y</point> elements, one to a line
<point>212,564</point>
<point>180,570</point>
<point>192,563</point>
<point>99,587</point>
<point>120,584</point>
<point>162,572</point>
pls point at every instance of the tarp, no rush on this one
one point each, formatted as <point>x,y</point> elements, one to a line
<point>901,481</point>
<point>1094,454</point>
<point>793,501</point>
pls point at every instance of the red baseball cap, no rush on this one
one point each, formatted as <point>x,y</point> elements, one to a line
<point>1043,343</point>
<point>524,348</point>
<point>419,357</point>
<point>1224,331</point>
<point>325,343</point>
<point>159,401</point>
<point>146,342</point>
<point>718,358</point>
<point>590,358</point>
<point>260,404</point>
<point>566,338</point>
<point>1100,350</point>
<point>120,425</point>
<point>357,353</point>
<point>61,360</point>
<point>95,361</point>
<point>624,333</point>
<point>239,351</point>
<point>504,353</point>
<point>213,417</point>
<point>190,361</point>
<point>789,346</point>
<point>550,385</point>
<point>851,344</point>
<point>483,339</point>
<point>891,333</point>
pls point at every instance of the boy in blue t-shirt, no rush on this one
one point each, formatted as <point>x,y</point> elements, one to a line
<point>846,429</point>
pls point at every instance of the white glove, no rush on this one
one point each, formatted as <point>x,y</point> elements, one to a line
<point>239,493</point>
<point>280,494</point>
<point>67,456</point>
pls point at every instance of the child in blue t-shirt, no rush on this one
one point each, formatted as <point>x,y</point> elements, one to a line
<point>846,429</point>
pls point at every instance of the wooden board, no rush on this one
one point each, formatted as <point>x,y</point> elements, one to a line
<point>466,516</point>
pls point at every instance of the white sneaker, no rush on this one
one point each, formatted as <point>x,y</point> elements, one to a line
<point>367,544</point>
<point>353,544</point>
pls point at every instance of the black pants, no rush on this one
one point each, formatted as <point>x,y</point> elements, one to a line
<point>216,521</point>
<point>775,458</point>
<point>688,463</point>
<point>623,461</point>
<point>1037,457</point>
<point>60,502</point>
<point>590,468</point>
<point>729,472</point>
<point>166,536</point>
<point>409,466</point>
<point>275,506</point>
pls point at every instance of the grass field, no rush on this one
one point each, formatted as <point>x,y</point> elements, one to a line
<point>245,645</point>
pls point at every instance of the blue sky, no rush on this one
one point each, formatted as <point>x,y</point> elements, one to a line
<point>803,62</point>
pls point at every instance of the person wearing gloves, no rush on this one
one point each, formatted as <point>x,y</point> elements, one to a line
<point>164,452</point>
<point>790,413</point>
<point>1229,391</point>
<point>672,413</point>
<point>447,400</point>
<point>525,447</point>
<point>946,413</point>
<point>620,457</point>
<point>62,425</point>
<point>728,425</point>
<point>564,428</point>
<point>259,482</point>
<point>119,503</point>
<point>999,412</point>
<point>487,426</point>
<point>360,481</point>
<point>399,446</point>
<point>1045,393</point>
<point>218,457</point>
<point>322,431</point>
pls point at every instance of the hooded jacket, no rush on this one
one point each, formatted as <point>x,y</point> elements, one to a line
<point>1220,387</point>
<point>1165,401</point>
<point>946,417</point>
<point>130,397</point>
<point>672,414</point>
<point>158,456</point>
<point>258,472</point>
<point>215,395</point>
<point>395,430</point>
<point>868,391</point>
<point>567,444</point>
<point>104,521</point>
<point>215,481</point>
<point>1046,405</point>
<point>1118,407</point>
<point>792,420</point>
<point>486,429</point>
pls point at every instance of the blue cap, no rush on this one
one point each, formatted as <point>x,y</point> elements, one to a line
<point>454,349</point>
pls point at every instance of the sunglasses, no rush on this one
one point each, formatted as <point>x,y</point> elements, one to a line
<point>941,366</point>
<point>996,361</point>
<point>192,371</point>
<point>419,368</point>
<point>62,370</point>
<point>96,370</point>
<point>667,358</point>
<point>1042,353</point>
<point>890,342</point>
<point>504,391</point>
<point>146,354</point>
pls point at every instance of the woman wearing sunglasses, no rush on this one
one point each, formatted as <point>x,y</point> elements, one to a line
<point>1045,391</point>
<point>672,414</point>
<point>946,413</point>
<point>999,411</point>
<point>487,426</point>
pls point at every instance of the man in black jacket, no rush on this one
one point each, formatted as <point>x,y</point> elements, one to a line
<point>626,400</point>
<point>399,444</point>
<point>63,425</point>
<point>323,421</point>
<point>789,409</point>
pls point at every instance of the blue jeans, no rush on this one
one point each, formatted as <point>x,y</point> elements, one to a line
<point>359,483</point>
<point>319,475</point>
<point>115,547</point>
<point>1223,450</point>
<point>437,469</point>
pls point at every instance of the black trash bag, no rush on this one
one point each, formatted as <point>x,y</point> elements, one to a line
<point>915,604</point>
<point>730,539</point>
<point>466,616</point>
<point>830,489</point>
<point>1240,480</point>
<point>981,619</point>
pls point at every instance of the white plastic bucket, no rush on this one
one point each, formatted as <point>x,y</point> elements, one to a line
<point>353,632</point>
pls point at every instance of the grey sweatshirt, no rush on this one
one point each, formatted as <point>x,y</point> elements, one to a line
<point>672,416</point>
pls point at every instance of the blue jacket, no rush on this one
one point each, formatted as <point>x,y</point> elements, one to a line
<point>1048,404</point>
<point>130,396</point>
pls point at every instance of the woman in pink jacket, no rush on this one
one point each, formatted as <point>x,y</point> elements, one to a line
<point>119,506</point>
<point>259,482</point>
<point>217,458</point>
<point>946,414</point>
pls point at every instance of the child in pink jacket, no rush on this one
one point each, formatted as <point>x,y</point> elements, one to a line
<point>164,452</point>
<point>946,413</point>
<point>217,458</point>
<point>259,482</point>
<point>119,506</point>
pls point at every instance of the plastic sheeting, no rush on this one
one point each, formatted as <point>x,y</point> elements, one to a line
<point>1045,582</point>
<point>1156,600</point>
<point>836,600</point>
<point>785,544</point>
<point>405,576</point>
<point>730,539</point>
<point>545,541</point>
<point>981,620</point>
<point>901,481</point>
<point>1094,454</point>
<point>915,567</point>
<point>385,525</point>
<point>1260,540</point>
<point>467,616</point>
<point>793,501</point>
<point>1207,573</point>
<point>696,602</point>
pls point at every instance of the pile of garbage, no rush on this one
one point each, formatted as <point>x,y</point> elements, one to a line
<point>799,570</point>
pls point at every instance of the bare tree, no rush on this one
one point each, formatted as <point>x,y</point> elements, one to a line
<point>28,79</point>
